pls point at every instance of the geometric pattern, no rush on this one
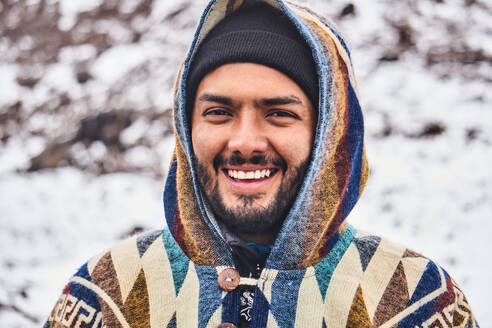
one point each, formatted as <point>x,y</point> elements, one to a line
<point>398,288</point>
<point>366,246</point>
<point>358,315</point>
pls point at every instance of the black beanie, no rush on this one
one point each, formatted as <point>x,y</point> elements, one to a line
<point>258,34</point>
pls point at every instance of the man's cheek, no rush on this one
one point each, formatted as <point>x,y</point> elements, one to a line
<point>205,177</point>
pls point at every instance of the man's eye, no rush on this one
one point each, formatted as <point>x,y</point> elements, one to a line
<point>217,112</point>
<point>282,114</point>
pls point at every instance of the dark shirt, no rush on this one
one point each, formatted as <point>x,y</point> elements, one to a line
<point>249,260</point>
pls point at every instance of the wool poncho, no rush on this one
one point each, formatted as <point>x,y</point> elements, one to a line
<point>321,271</point>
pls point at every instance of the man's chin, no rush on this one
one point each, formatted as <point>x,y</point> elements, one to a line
<point>249,223</point>
<point>251,213</point>
<point>246,202</point>
<point>247,216</point>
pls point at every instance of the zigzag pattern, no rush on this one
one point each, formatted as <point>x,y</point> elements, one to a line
<point>378,284</point>
<point>365,281</point>
<point>143,277</point>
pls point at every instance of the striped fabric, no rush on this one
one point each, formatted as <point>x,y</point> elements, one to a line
<point>335,177</point>
<point>321,271</point>
<point>364,281</point>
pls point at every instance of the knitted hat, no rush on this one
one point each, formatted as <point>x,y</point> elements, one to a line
<point>257,34</point>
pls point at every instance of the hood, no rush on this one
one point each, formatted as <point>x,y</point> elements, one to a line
<point>334,178</point>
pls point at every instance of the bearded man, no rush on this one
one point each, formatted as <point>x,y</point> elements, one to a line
<point>268,163</point>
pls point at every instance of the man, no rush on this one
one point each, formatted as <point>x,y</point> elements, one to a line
<point>268,163</point>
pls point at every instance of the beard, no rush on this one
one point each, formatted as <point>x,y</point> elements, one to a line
<point>246,216</point>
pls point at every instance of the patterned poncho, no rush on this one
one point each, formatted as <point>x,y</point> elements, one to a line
<point>321,271</point>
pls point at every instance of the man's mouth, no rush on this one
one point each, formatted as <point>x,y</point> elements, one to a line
<point>250,175</point>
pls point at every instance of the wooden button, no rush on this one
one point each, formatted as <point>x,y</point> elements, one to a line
<point>228,280</point>
<point>226,325</point>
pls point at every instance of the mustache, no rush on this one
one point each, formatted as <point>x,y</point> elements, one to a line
<point>258,159</point>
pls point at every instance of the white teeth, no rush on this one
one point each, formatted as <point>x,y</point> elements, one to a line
<point>248,175</point>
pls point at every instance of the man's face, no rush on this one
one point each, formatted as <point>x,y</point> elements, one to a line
<point>252,132</point>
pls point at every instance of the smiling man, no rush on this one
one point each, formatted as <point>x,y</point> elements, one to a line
<point>252,132</point>
<point>268,163</point>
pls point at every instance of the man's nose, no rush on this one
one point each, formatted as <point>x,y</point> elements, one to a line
<point>248,137</point>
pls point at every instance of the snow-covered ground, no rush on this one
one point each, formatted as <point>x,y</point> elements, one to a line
<point>424,72</point>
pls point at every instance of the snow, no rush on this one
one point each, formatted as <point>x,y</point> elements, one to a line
<point>77,53</point>
<point>10,89</point>
<point>13,157</point>
<point>429,192</point>
<point>68,216</point>
<point>117,61</point>
<point>61,77</point>
<point>70,9</point>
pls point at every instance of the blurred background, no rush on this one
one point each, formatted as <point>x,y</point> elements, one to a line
<point>86,132</point>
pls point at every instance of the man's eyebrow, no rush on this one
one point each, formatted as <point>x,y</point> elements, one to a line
<point>275,101</point>
<point>216,98</point>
